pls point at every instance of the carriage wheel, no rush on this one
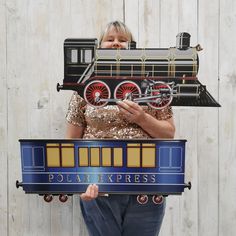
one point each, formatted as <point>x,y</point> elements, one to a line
<point>157,199</point>
<point>165,97</point>
<point>142,199</point>
<point>63,198</point>
<point>47,197</point>
<point>125,89</point>
<point>96,90</point>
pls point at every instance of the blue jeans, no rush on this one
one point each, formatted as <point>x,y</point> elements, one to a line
<point>122,215</point>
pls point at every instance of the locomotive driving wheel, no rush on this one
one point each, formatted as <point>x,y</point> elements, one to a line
<point>95,91</point>
<point>125,89</point>
<point>162,93</point>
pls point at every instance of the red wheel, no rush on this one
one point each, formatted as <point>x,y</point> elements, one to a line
<point>142,199</point>
<point>126,88</point>
<point>63,198</point>
<point>163,91</point>
<point>96,90</point>
<point>47,197</point>
<point>157,199</point>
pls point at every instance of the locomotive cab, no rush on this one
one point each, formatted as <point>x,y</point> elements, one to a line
<point>78,55</point>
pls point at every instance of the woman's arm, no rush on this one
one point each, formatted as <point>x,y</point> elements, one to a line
<point>74,131</point>
<point>155,128</point>
<point>158,128</point>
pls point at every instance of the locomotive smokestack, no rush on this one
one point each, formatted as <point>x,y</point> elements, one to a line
<point>183,40</point>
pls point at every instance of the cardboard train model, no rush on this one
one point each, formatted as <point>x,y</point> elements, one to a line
<point>66,167</point>
<point>149,168</point>
<point>157,77</point>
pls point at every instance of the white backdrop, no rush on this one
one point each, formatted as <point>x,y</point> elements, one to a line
<point>31,55</point>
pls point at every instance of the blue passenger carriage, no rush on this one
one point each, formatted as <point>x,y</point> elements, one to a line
<point>65,167</point>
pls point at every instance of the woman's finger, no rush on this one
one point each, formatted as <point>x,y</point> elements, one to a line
<point>91,193</point>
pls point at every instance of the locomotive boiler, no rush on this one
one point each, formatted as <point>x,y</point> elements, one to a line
<point>157,77</point>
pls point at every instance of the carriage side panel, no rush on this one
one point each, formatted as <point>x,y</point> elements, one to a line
<point>117,166</point>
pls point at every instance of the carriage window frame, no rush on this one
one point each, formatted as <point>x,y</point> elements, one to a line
<point>33,157</point>
<point>58,160</point>
<point>53,155</point>
<point>94,156</point>
<point>118,154</point>
<point>150,149</point>
<point>83,160</point>
<point>72,56</point>
<point>70,155</point>
<point>143,150</point>
<point>133,149</point>
<point>106,156</point>
<point>169,167</point>
<point>85,55</point>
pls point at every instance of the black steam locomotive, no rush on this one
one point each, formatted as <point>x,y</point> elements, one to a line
<point>155,76</point>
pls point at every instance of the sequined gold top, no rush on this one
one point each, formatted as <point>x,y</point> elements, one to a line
<point>108,122</point>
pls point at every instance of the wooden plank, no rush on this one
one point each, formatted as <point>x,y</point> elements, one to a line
<point>47,42</point>
<point>60,11</point>
<point>143,17</point>
<point>187,22</point>
<point>25,36</point>
<point>90,17</point>
<point>168,20</point>
<point>3,123</point>
<point>149,26</point>
<point>16,110</point>
<point>88,20</point>
<point>131,17</point>
<point>227,121</point>
<point>208,124</point>
<point>168,29</point>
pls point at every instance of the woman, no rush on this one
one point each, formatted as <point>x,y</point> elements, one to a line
<point>118,215</point>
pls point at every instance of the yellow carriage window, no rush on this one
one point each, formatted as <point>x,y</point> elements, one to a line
<point>117,157</point>
<point>106,156</point>
<point>83,156</point>
<point>148,155</point>
<point>94,156</point>
<point>133,155</point>
<point>53,155</point>
<point>67,155</point>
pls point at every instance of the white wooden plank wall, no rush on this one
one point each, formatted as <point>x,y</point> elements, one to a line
<point>3,123</point>
<point>227,121</point>
<point>31,54</point>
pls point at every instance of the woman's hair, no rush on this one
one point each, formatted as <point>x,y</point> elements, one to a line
<point>119,27</point>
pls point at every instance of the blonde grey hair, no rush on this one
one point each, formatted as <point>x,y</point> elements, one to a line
<point>119,27</point>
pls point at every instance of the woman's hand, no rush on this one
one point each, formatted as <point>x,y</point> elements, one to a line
<point>91,193</point>
<point>132,111</point>
<point>155,128</point>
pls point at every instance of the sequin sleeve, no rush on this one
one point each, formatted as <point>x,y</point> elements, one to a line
<point>75,113</point>
<point>163,114</point>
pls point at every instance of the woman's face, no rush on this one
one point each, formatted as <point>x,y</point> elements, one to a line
<point>114,39</point>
